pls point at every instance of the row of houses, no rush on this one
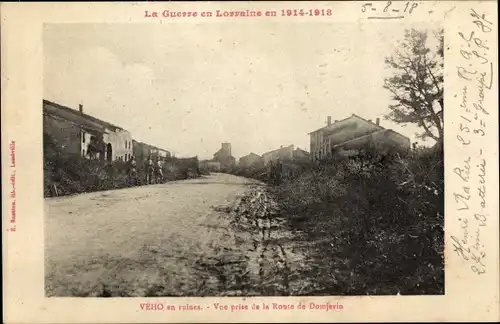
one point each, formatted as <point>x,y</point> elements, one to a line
<point>77,133</point>
<point>354,133</point>
<point>223,160</point>
<point>349,134</point>
<point>284,153</point>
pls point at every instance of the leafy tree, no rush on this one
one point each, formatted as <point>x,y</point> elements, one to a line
<point>417,83</point>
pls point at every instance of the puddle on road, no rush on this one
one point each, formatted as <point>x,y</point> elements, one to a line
<point>262,259</point>
<point>248,251</point>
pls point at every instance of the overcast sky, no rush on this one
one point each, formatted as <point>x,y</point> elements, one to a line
<point>189,87</point>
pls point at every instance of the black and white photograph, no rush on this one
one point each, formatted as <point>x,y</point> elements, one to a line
<point>269,159</point>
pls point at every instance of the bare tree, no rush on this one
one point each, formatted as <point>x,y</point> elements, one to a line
<point>417,83</point>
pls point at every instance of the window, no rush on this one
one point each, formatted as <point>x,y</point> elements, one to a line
<point>83,137</point>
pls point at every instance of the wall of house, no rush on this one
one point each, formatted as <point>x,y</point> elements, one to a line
<point>141,153</point>
<point>352,129</point>
<point>283,153</point>
<point>299,154</point>
<point>318,148</point>
<point>159,153</point>
<point>85,141</point>
<point>383,141</point>
<point>121,144</point>
<point>67,134</point>
<point>324,140</point>
<point>163,154</point>
<point>250,160</point>
<point>395,140</point>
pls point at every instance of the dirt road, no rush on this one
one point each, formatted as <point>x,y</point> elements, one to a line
<point>158,240</point>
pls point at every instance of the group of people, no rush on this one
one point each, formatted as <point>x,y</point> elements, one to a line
<point>154,170</point>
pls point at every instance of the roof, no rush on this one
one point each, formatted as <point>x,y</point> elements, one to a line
<point>66,112</point>
<point>76,119</point>
<point>281,148</point>
<point>342,120</point>
<point>149,146</point>
<point>219,151</point>
<point>251,154</point>
<point>299,149</point>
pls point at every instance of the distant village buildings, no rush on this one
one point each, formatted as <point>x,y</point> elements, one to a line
<point>143,152</point>
<point>251,160</point>
<point>287,153</point>
<point>77,133</point>
<point>301,155</point>
<point>222,160</point>
<point>224,157</point>
<point>354,133</point>
<point>283,154</point>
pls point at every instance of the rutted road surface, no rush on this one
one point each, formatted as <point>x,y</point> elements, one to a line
<point>195,237</point>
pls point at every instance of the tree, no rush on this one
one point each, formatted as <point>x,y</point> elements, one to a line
<point>417,83</point>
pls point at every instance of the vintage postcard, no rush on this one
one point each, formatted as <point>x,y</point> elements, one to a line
<point>184,162</point>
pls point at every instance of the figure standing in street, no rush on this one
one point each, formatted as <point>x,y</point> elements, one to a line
<point>149,171</point>
<point>159,171</point>
<point>133,171</point>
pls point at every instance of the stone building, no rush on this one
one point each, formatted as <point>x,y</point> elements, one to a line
<point>251,160</point>
<point>157,152</point>
<point>354,133</point>
<point>224,157</point>
<point>80,134</point>
<point>283,154</point>
<point>301,155</point>
<point>143,151</point>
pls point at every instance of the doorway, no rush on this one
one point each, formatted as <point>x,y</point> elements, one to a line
<point>109,152</point>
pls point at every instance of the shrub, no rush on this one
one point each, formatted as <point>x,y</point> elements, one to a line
<point>378,221</point>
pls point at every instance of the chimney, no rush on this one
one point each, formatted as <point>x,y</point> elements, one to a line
<point>80,108</point>
<point>370,120</point>
<point>329,120</point>
<point>378,121</point>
